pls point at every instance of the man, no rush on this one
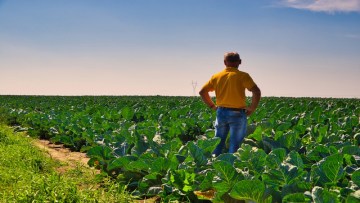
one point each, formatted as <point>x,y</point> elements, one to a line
<point>231,109</point>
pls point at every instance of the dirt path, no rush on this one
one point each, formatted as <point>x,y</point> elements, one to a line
<point>65,155</point>
<point>72,160</point>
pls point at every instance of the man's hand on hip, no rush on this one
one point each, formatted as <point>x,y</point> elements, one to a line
<point>249,111</point>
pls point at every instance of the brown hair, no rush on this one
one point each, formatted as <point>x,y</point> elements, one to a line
<point>232,57</point>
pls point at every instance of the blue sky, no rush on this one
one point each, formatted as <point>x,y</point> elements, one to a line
<point>291,48</point>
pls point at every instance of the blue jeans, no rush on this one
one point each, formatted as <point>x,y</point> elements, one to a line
<point>232,121</point>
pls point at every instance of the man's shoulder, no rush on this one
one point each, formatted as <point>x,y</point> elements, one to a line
<point>222,72</point>
<point>243,73</point>
<point>237,72</point>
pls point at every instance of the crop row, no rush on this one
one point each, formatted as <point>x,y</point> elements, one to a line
<point>297,149</point>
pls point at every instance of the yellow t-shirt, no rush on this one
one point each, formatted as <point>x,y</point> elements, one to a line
<point>229,86</point>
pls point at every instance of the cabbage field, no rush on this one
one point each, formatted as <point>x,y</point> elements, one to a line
<point>297,149</point>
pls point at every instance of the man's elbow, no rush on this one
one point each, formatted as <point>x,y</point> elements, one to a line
<point>202,92</point>
<point>256,90</point>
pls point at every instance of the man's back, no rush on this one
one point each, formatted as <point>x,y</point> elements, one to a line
<point>229,86</point>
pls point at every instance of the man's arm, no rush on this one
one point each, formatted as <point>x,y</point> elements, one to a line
<point>206,98</point>
<point>256,95</point>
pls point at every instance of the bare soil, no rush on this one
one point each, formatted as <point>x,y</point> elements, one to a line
<point>72,160</point>
<point>65,155</point>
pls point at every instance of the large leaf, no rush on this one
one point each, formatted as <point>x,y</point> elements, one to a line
<point>275,157</point>
<point>127,113</point>
<point>226,177</point>
<point>226,171</point>
<point>228,157</point>
<point>294,158</point>
<point>318,153</point>
<point>351,150</point>
<point>182,180</point>
<point>173,162</point>
<point>141,145</point>
<point>120,163</point>
<point>321,195</point>
<point>159,164</point>
<point>357,139</point>
<point>292,173</point>
<point>140,165</point>
<point>283,126</point>
<point>353,197</point>
<point>197,153</point>
<point>253,190</point>
<point>290,140</point>
<point>286,174</point>
<point>257,134</point>
<point>208,145</point>
<point>206,181</point>
<point>355,177</point>
<point>299,186</point>
<point>270,144</point>
<point>296,197</point>
<point>252,158</point>
<point>170,147</point>
<point>328,171</point>
<point>320,133</point>
<point>152,180</point>
<point>101,151</point>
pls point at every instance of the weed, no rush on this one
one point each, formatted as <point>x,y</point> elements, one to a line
<point>28,175</point>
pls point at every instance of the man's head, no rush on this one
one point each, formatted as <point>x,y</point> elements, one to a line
<point>232,59</point>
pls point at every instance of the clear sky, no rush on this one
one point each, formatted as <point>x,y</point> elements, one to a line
<point>307,48</point>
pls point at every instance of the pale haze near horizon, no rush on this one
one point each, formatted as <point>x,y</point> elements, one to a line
<point>163,47</point>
